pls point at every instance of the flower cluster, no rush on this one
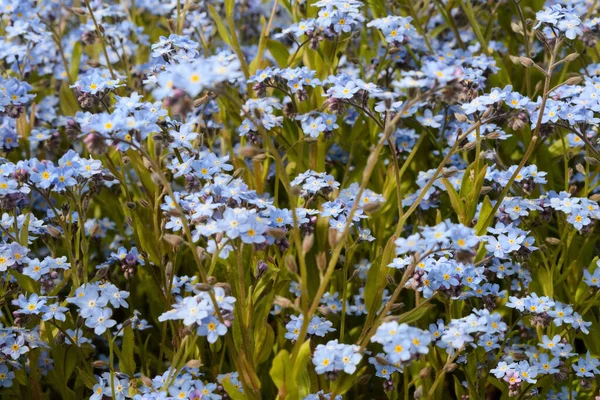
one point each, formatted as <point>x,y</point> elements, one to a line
<point>334,357</point>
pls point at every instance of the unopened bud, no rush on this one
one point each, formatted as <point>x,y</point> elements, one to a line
<point>517,28</point>
<point>334,237</point>
<point>322,261</point>
<point>146,381</point>
<point>168,271</point>
<point>575,80</point>
<point>99,364</point>
<point>277,233</point>
<point>147,163</point>
<point>249,151</point>
<point>592,161</point>
<point>193,364</point>
<point>485,190</point>
<point>571,57</point>
<point>203,287</point>
<point>54,232</point>
<point>418,393</point>
<point>469,146</point>
<point>144,203</point>
<point>290,262</point>
<point>449,172</point>
<point>526,61</point>
<point>282,302</point>
<point>450,367</point>
<point>156,178</point>
<point>461,117</point>
<point>175,212</point>
<point>307,243</point>
<point>553,241</point>
<point>173,240</point>
<point>78,11</point>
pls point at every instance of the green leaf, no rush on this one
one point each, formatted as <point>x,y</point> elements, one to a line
<point>300,371</point>
<point>377,277</point>
<point>75,60</point>
<point>344,385</point>
<point>263,344</point>
<point>279,52</point>
<point>220,25</point>
<point>455,200</point>
<point>229,4</point>
<point>127,361</point>
<point>468,10</point>
<point>472,198</point>
<point>24,234</point>
<point>232,391</point>
<point>415,314</point>
<point>26,282</point>
<point>279,368</point>
<point>86,378</point>
<point>68,101</point>
<point>484,213</point>
<point>36,389</point>
<point>545,279</point>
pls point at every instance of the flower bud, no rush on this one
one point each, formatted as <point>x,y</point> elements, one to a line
<point>173,240</point>
<point>526,61</point>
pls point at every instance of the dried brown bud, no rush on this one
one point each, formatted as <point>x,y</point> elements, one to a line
<point>147,163</point>
<point>249,151</point>
<point>592,161</point>
<point>307,243</point>
<point>175,212</point>
<point>575,80</point>
<point>146,381</point>
<point>55,233</point>
<point>193,364</point>
<point>334,237</point>
<point>322,261</point>
<point>169,271</point>
<point>526,61</point>
<point>461,117</point>
<point>144,203</point>
<point>99,364</point>
<point>517,28</point>
<point>571,57</point>
<point>450,367</point>
<point>173,240</point>
<point>290,262</point>
<point>156,178</point>
<point>282,302</point>
<point>277,233</point>
<point>485,190</point>
<point>78,10</point>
